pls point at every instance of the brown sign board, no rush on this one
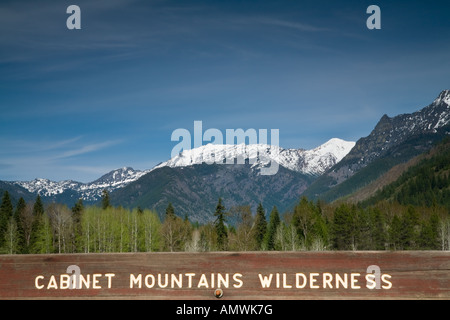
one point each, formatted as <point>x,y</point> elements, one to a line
<point>228,275</point>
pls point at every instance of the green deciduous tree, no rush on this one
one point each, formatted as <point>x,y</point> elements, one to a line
<point>62,225</point>
<point>303,220</point>
<point>40,233</point>
<point>175,232</point>
<point>242,239</point>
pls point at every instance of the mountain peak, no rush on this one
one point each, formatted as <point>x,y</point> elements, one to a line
<point>337,146</point>
<point>444,96</point>
<point>119,176</point>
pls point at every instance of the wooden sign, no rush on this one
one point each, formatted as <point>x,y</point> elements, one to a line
<point>228,275</point>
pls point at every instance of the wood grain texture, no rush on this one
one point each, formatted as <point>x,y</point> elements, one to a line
<point>411,275</point>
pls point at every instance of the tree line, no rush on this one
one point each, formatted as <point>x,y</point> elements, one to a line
<point>315,226</point>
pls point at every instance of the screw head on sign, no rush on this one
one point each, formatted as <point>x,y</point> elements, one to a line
<point>218,293</point>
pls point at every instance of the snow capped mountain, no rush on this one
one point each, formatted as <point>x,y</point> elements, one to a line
<point>87,191</point>
<point>111,181</point>
<point>312,162</point>
<point>45,187</point>
<point>117,178</point>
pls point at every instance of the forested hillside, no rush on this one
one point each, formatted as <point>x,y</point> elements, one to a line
<point>35,228</point>
<point>425,184</point>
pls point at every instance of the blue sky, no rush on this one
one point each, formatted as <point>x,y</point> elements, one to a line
<point>76,104</point>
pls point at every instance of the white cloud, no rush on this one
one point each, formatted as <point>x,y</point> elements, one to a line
<point>52,159</point>
<point>292,25</point>
<point>87,149</point>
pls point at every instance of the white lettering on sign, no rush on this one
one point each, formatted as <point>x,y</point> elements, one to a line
<point>316,280</point>
<point>186,280</point>
<point>64,281</point>
<point>75,279</point>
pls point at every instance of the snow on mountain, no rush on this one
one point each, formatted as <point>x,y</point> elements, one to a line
<point>443,115</point>
<point>430,118</point>
<point>312,162</point>
<point>88,191</point>
<point>444,96</point>
<point>117,178</point>
<point>45,187</point>
<point>320,159</point>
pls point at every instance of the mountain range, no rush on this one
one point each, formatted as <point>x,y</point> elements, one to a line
<point>194,179</point>
<point>187,177</point>
<point>69,190</point>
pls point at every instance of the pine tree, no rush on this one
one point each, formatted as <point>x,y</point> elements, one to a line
<point>319,230</point>
<point>77,211</point>
<point>274,221</point>
<point>18,214</point>
<point>260,226</point>
<point>408,235</point>
<point>105,199</point>
<point>395,233</point>
<point>429,234</point>
<point>6,212</point>
<point>377,229</point>
<point>344,227</point>
<point>363,229</point>
<point>222,235</point>
<point>38,208</point>
<point>170,211</point>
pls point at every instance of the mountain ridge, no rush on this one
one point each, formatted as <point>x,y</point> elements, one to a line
<point>89,192</point>
<point>194,190</point>
<point>392,141</point>
<point>314,161</point>
<point>69,191</point>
